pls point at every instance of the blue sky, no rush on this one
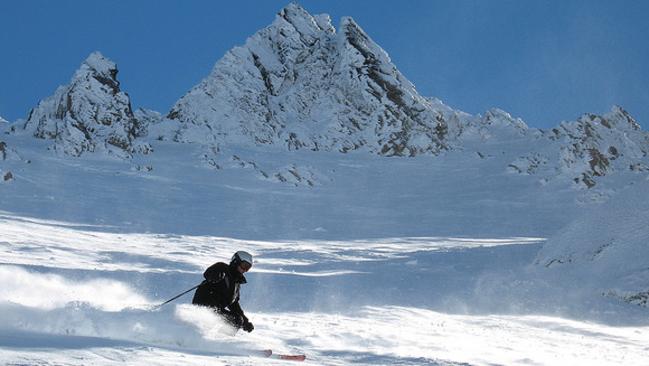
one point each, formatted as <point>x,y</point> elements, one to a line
<point>542,61</point>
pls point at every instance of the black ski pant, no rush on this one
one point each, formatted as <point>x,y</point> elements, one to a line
<point>235,320</point>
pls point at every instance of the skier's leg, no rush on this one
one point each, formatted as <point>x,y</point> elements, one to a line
<point>234,320</point>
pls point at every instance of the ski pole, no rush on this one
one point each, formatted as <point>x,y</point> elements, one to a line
<point>175,297</point>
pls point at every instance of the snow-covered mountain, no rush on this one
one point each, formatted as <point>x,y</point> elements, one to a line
<point>89,114</point>
<point>584,150</point>
<point>301,92</point>
<point>301,84</point>
<point>3,123</point>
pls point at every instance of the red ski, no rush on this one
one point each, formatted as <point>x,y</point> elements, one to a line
<point>269,353</point>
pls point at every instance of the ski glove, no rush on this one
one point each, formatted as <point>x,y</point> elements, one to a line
<point>248,327</point>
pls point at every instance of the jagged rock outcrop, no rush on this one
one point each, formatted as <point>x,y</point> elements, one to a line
<point>3,150</point>
<point>587,149</point>
<point>7,154</point>
<point>90,114</point>
<point>300,84</point>
<point>595,145</point>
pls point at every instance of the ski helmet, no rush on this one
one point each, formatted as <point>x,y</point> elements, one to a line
<point>241,257</point>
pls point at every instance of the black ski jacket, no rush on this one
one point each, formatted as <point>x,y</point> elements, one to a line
<point>220,289</point>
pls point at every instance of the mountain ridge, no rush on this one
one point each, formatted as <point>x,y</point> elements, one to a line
<point>302,84</point>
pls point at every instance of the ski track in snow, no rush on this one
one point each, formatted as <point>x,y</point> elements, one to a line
<point>74,295</point>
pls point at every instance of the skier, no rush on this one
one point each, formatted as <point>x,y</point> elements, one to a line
<point>220,290</point>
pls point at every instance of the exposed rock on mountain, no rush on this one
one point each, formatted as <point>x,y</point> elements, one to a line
<point>90,114</point>
<point>586,149</point>
<point>3,150</point>
<point>300,84</point>
<point>597,145</point>
<point>7,154</point>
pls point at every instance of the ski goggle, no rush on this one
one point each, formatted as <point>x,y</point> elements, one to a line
<point>245,265</point>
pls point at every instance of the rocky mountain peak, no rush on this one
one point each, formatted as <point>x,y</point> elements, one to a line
<point>89,114</point>
<point>304,23</point>
<point>496,116</point>
<point>593,146</point>
<point>615,127</point>
<point>617,119</point>
<point>300,84</point>
<point>99,65</point>
<point>594,126</point>
<point>101,68</point>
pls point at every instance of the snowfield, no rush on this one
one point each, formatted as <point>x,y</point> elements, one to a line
<point>398,301</point>
<point>383,262</point>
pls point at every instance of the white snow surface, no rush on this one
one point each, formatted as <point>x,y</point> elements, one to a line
<point>381,261</point>
<point>609,246</point>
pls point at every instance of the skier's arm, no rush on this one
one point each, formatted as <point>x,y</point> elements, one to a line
<point>236,308</point>
<point>214,273</point>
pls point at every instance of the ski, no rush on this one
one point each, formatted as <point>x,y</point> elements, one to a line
<point>269,354</point>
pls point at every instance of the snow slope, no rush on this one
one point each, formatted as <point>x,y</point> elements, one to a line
<point>74,303</point>
<point>608,246</point>
<point>271,193</point>
<point>71,302</point>
<point>380,261</point>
